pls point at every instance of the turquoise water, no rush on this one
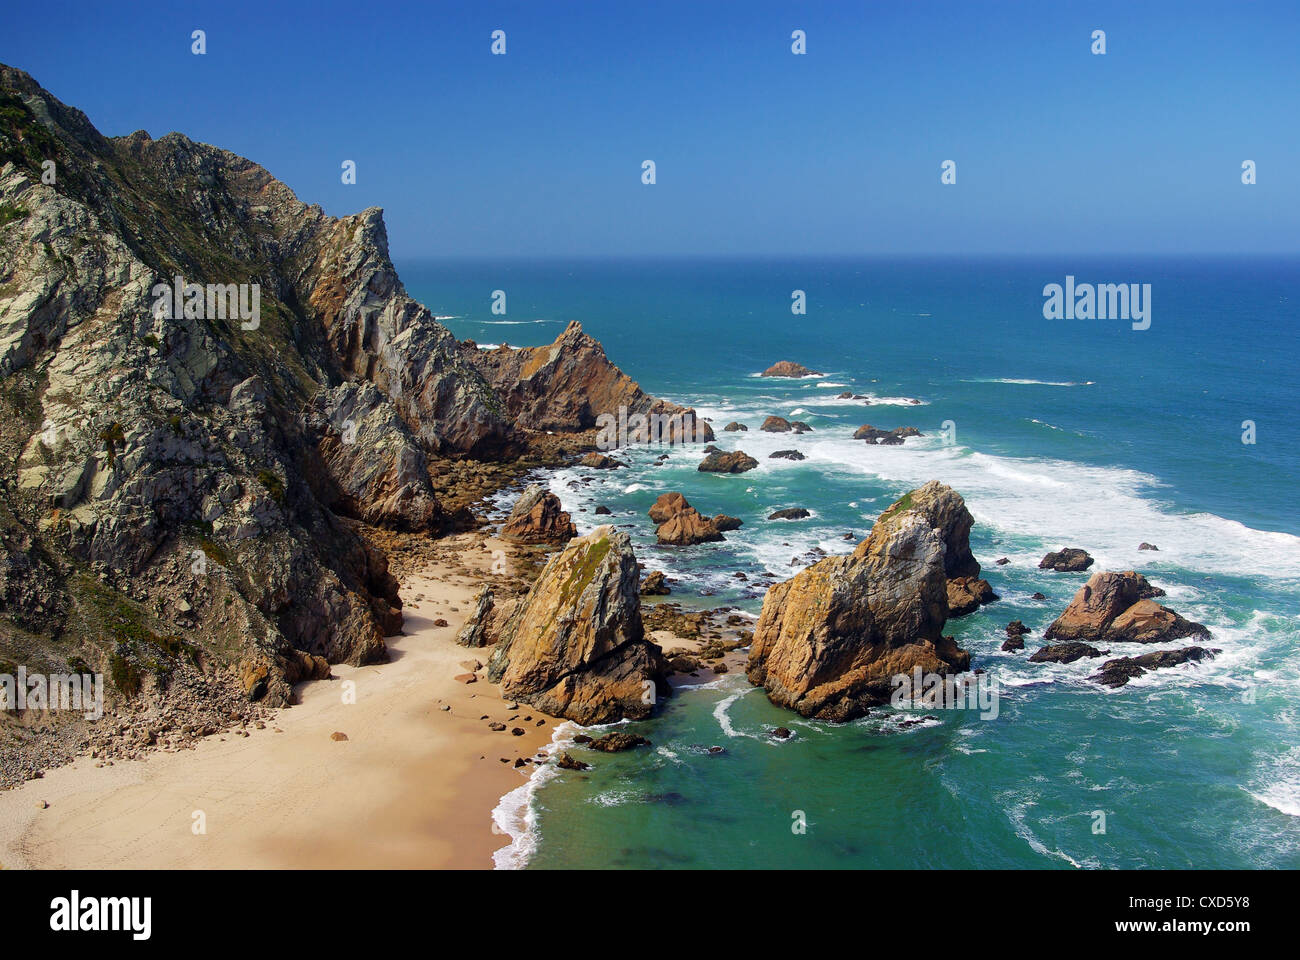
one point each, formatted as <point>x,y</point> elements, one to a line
<point>1067,433</point>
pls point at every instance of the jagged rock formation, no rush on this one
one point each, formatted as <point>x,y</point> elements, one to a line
<point>680,524</point>
<point>1119,608</point>
<point>829,642</point>
<point>538,517</point>
<point>788,368</point>
<point>967,594</point>
<point>1118,672</point>
<point>567,385</point>
<point>576,647</point>
<point>182,484</point>
<point>474,633</point>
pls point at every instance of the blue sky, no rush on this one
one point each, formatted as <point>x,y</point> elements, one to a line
<point>758,151</point>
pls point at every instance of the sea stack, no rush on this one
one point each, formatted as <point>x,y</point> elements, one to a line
<point>575,647</point>
<point>829,642</point>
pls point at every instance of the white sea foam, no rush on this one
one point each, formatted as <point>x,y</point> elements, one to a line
<point>515,815</point>
<point>1035,383</point>
<point>1278,784</point>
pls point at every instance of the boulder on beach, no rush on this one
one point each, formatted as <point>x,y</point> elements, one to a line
<point>1067,560</point>
<point>830,641</point>
<point>575,647</point>
<point>538,517</point>
<point>788,368</point>
<point>775,424</point>
<point>737,461</point>
<point>1120,608</point>
<point>475,631</point>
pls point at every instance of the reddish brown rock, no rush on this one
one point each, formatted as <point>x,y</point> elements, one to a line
<point>1119,608</point>
<point>966,594</point>
<point>538,517</point>
<point>737,461</point>
<point>788,368</point>
<point>775,425</point>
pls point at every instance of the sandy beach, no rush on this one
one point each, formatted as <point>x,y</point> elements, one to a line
<point>412,786</point>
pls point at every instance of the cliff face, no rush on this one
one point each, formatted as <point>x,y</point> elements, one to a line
<point>180,488</point>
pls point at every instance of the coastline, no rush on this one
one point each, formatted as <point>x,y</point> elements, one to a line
<point>412,787</point>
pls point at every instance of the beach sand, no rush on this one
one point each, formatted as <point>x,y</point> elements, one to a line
<point>413,786</point>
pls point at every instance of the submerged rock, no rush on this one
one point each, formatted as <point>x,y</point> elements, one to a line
<point>575,647</point>
<point>1119,608</point>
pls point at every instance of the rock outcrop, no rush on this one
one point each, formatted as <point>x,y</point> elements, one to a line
<point>967,594</point>
<point>1067,560</point>
<point>734,426</point>
<point>885,437</point>
<point>538,517</point>
<point>786,455</point>
<point>1120,608</point>
<point>1065,652</point>
<point>788,368</point>
<point>737,461</point>
<point>680,524</point>
<point>576,647</point>
<point>1118,672</point>
<point>475,631</point>
<point>775,424</point>
<point>567,385</point>
<point>829,642</point>
<point>789,513</point>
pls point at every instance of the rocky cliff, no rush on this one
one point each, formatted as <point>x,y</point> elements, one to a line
<point>185,485</point>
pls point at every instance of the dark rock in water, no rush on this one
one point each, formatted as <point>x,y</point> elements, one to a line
<point>655,585</point>
<point>1147,546</point>
<point>775,425</point>
<point>786,455</point>
<point>714,751</point>
<point>567,762</point>
<point>599,461</point>
<point>1038,596</point>
<point>1064,653</point>
<point>712,448</point>
<point>735,462</point>
<point>733,426</point>
<point>1068,560</point>
<point>1002,562</point>
<point>889,438</point>
<point>798,426</point>
<point>603,511</point>
<point>844,395</point>
<point>723,522</point>
<point>1017,629</point>
<point>1116,673</point>
<point>1119,608</point>
<point>788,368</point>
<point>1014,643</point>
<point>616,742</point>
<point>582,738</point>
<point>782,733</point>
<point>966,594</point>
<point>789,513</point>
<point>538,517</point>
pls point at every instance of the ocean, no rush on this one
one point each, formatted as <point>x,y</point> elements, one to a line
<point>1082,433</point>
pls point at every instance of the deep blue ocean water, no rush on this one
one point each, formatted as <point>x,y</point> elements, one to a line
<point>1082,433</point>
